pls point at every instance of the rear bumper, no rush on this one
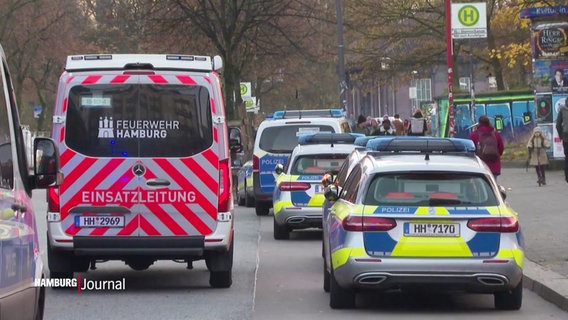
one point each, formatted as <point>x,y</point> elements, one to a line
<point>160,247</point>
<point>471,275</point>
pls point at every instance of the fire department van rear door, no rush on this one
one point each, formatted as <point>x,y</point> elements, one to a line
<point>137,150</point>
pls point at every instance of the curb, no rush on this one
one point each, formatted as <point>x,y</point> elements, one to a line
<point>549,285</point>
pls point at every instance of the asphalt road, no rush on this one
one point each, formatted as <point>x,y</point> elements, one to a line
<point>271,280</point>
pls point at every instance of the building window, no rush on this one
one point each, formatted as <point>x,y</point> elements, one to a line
<point>465,83</point>
<point>423,90</point>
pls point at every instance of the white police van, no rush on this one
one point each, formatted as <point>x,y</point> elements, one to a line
<point>145,152</point>
<point>275,139</point>
<point>21,263</point>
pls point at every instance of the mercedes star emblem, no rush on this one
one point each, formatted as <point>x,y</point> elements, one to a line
<point>138,169</point>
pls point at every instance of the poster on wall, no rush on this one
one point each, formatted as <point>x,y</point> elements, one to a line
<point>558,102</point>
<point>549,40</point>
<point>543,108</point>
<point>542,76</point>
<point>559,76</point>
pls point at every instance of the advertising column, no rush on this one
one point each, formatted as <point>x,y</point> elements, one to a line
<point>549,43</point>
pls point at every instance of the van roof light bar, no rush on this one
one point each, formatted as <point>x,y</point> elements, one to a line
<point>153,61</point>
<point>317,113</point>
<point>328,138</point>
<point>422,145</point>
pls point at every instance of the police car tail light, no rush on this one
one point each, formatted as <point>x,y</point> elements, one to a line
<point>224,186</point>
<point>255,163</point>
<point>293,186</point>
<point>53,199</point>
<point>494,224</point>
<point>368,223</point>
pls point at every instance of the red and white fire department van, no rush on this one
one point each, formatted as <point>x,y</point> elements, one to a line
<point>145,156</point>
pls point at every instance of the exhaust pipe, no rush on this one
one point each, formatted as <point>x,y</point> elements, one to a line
<point>295,220</point>
<point>370,280</point>
<point>492,280</point>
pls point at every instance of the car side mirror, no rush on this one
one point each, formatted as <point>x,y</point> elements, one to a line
<point>326,180</point>
<point>235,139</point>
<point>503,192</point>
<point>279,169</point>
<point>46,163</point>
<point>332,192</point>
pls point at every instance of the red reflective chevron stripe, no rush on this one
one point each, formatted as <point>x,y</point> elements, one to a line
<point>94,181</point>
<point>213,106</point>
<point>64,105</point>
<point>98,231</point>
<point>170,223</point>
<point>211,157</point>
<point>69,79</point>
<point>66,156</point>
<point>215,135</point>
<point>92,79</point>
<point>156,78</point>
<point>147,227</point>
<point>186,80</point>
<point>121,78</point>
<point>61,134</point>
<point>76,173</point>
<point>194,219</point>
<point>130,227</point>
<point>72,230</point>
<point>209,181</point>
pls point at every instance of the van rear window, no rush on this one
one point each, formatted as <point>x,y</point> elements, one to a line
<point>138,120</point>
<point>283,139</point>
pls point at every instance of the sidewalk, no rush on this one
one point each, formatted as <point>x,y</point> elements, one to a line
<point>543,214</point>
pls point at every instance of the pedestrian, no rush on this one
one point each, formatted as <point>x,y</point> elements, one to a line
<point>562,129</point>
<point>361,125</point>
<point>418,125</point>
<point>374,126</point>
<point>385,129</point>
<point>398,125</point>
<point>488,144</point>
<point>537,145</point>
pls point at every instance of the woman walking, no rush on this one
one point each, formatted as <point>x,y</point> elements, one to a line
<point>537,145</point>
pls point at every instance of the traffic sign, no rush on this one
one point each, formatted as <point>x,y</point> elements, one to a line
<point>469,20</point>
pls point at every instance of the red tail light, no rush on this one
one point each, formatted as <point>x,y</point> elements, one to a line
<point>368,223</point>
<point>255,163</point>
<point>494,224</point>
<point>293,186</point>
<point>224,186</point>
<point>53,199</point>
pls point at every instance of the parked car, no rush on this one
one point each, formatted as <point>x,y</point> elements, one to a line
<point>245,188</point>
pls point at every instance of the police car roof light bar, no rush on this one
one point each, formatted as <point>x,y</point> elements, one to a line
<point>317,113</point>
<point>155,61</point>
<point>422,145</point>
<point>362,141</point>
<point>328,137</point>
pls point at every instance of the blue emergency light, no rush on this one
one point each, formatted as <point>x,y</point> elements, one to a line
<point>421,145</point>
<point>299,114</point>
<point>362,141</point>
<point>329,138</point>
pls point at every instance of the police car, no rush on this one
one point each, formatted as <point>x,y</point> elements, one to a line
<point>298,195</point>
<point>275,139</point>
<point>245,192</point>
<point>423,214</point>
